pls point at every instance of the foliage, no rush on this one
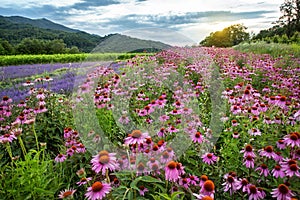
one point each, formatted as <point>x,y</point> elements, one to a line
<point>64,58</point>
<point>147,93</point>
<point>276,50</point>
<point>288,24</point>
<point>31,178</point>
<point>228,37</point>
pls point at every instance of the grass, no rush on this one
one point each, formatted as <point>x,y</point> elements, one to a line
<point>64,58</point>
<point>274,49</point>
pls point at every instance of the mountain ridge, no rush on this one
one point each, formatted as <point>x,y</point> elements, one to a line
<point>16,28</point>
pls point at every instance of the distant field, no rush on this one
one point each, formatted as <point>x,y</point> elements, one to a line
<point>64,58</point>
<point>274,49</point>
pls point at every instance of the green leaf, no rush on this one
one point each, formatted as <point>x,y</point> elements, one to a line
<point>174,195</point>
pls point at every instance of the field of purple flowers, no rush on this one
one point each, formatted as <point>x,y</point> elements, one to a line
<point>185,123</point>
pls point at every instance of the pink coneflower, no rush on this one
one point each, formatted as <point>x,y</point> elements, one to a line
<point>162,132</point>
<point>235,135</point>
<point>292,169</point>
<point>28,83</point>
<point>254,132</point>
<point>7,138</point>
<point>234,123</point>
<point>243,184</point>
<point>165,157</point>
<point>47,78</point>
<point>136,137</point>
<point>280,144</point>
<point>254,110</point>
<point>263,168</point>
<point>184,182</point>
<point>278,172</point>
<point>235,109</point>
<point>249,161</point>
<point>164,118</point>
<point>172,129</point>
<point>171,171</point>
<point>248,150</point>
<point>281,102</point>
<point>6,100</point>
<point>22,103</point>
<point>124,119</point>
<point>197,137</point>
<point>208,189</point>
<point>141,169</point>
<point>16,131</point>
<point>231,184</point>
<point>254,193</point>
<point>116,182</point>
<point>66,194</point>
<point>268,152</point>
<point>293,139</point>
<point>60,158</point>
<point>193,180</point>
<point>40,95</point>
<point>209,158</point>
<point>97,191</point>
<point>186,111</point>
<point>84,181</point>
<point>203,178</point>
<point>103,161</point>
<point>282,192</point>
<point>142,190</point>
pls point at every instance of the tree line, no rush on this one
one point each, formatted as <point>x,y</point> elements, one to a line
<point>286,30</point>
<point>36,46</point>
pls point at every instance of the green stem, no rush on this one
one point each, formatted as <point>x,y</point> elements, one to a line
<point>22,146</point>
<point>107,176</point>
<point>36,138</point>
<point>8,148</point>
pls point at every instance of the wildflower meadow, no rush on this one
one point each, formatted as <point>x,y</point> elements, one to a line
<point>184,123</point>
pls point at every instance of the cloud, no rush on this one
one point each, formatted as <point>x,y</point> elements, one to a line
<point>172,21</point>
<point>192,18</point>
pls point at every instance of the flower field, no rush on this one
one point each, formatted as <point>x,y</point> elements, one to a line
<point>185,123</point>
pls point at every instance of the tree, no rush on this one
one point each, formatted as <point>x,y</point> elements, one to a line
<point>290,18</point>
<point>6,48</point>
<point>228,37</point>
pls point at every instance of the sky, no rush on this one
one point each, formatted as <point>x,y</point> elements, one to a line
<point>176,22</point>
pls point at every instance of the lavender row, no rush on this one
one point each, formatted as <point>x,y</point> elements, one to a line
<point>21,71</point>
<point>63,83</point>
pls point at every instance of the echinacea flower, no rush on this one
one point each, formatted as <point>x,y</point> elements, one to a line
<point>282,192</point>
<point>104,161</point>
<point>231,184</point>
<point>209,158</point>
<point>60,158</point>
<point>84,181</point>
<point>184,182</point>
<point>97,191</point>
<point>268,152</point>
<point>263,168</point>
<point>243,184</point>
<point>66,194</point>
<point>278,172</point>
<point>293,139</point>
<point>208,189</point>
<point>254,132</point>
<point>254,193</point>
<point>173,170</point>
<point>193,180</point>
<point>248,151</point>
<point>197,137</point>
<point>142,190</point>
<point>136,137</point>
<point>7,138</point>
